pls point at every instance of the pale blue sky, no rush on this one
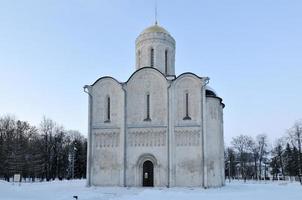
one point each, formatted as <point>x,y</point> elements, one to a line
<point>251,50</point>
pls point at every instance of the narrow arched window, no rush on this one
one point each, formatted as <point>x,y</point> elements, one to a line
<point>147,108</point>
<point>166,62</point>
<point>187,117</point>
<point>152,57</point>
<point>107,109</point>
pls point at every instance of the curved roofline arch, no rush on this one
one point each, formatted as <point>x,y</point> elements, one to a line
<point>104,77</point>
<point>188,73</point>
<point>152,68</point>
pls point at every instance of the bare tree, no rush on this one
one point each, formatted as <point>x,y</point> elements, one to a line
<point>47,128</point>
<point>277,152</point>
<point>262,143</point>
<point>39,153</point>
<point>7,135</point>
<point>230,163</point>
<point>255,153</point>
<point>243,145</point>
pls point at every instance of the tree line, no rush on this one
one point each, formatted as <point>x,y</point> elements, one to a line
<point>40,153</point>
<point>49,151</point>
<point>254,158</point>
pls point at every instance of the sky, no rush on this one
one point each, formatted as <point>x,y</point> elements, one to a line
<point>251,50</point>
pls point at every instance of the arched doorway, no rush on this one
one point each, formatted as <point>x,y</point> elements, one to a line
<point>148,177</point>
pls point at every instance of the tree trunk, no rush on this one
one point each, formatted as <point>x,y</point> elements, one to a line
<point>282,168</point>
<point>260,169</point>
<point>256,174</point>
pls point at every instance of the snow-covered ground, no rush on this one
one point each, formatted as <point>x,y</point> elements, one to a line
<point>65,190</point>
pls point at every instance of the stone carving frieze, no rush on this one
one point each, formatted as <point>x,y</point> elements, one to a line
<point>107,138</point>
<point>187,136</point>
<point>146,137</point>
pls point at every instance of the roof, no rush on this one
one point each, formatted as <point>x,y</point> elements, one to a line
<point>210,92</point>
<point>155,29</point>
<point>211,89</point>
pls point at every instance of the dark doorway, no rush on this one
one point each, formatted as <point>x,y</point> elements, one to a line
<point>148,174</point>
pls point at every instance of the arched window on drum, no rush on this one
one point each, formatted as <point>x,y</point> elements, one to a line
<point>166,62</point>
<point>152,57</point>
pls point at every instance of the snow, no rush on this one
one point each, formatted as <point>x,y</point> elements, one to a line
<point>65,190</point>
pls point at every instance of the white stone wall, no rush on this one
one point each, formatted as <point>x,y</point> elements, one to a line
<point>143,82</point>
<point>107,163</point>
<point>148,141</point>
<point>190,84</point>
<point>174,145</point>
<point>214,158</point>
<point>147,137</point>
<point>160,42</point>
<point>186,134</point>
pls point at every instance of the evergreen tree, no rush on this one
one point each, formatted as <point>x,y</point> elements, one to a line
<point>295,161</point>
<point>274,164</point>
<point>289,161</point>
<point>277,153</point>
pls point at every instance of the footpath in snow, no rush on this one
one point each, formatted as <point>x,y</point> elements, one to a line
<point>65,190</point>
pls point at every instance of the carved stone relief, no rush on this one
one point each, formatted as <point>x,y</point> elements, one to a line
<point>187,136</point>
<point>144,137</point>
<point>107,139</point>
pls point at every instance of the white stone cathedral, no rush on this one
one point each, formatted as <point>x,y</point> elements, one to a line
<point>155,129</point>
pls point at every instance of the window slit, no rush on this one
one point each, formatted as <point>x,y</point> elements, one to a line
<point>187,117</point>
<point>166,62</point>
<point>108,110</point>
<point>147,108</point>
<point>152,58</point>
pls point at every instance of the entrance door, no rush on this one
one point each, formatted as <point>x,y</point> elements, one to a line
<point>148,174</point>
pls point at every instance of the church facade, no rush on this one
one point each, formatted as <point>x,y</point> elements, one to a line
<point>155,129</point>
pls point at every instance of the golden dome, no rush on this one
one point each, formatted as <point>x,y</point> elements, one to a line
<point>155,29</point>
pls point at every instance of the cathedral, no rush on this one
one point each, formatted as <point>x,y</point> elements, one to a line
<point>156,129</point>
